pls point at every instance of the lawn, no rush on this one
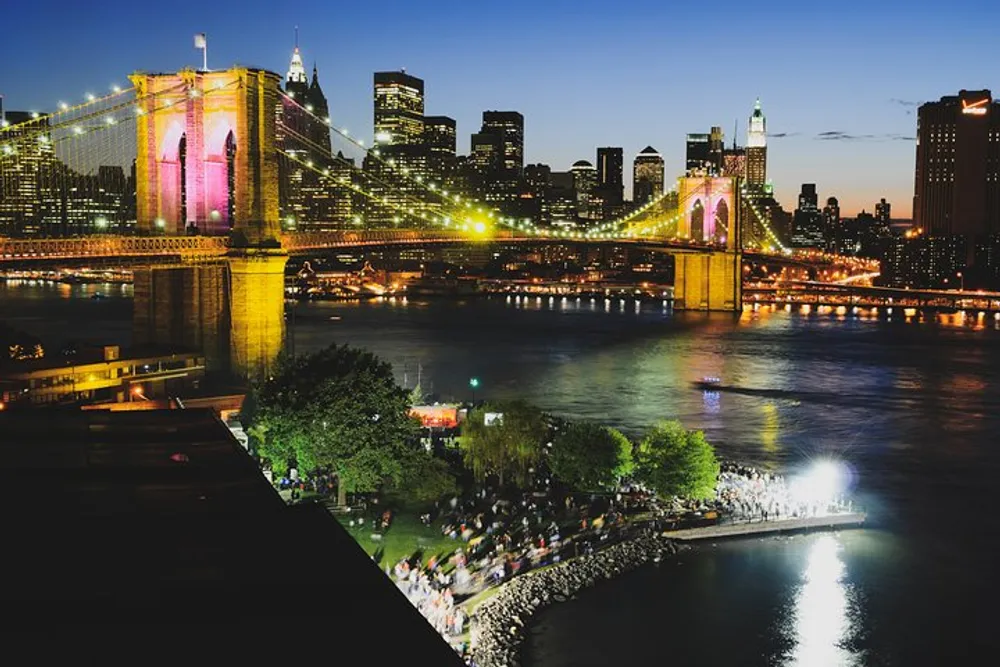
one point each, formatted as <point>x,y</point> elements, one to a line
<point>405,536</point>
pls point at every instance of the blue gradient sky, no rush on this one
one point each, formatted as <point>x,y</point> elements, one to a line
<point>583,73</point>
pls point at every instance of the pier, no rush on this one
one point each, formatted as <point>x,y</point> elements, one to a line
<point>830,521</point>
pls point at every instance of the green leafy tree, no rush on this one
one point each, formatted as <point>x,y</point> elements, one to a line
<point>509,446</point>
<point>426,478</point>
<point>676,462</point>
<point>338,409</point>
<point>591,457</point>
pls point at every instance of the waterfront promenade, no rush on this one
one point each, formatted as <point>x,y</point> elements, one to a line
<point>774,526</point>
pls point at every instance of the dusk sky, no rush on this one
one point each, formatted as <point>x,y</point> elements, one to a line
<point>838,82</point>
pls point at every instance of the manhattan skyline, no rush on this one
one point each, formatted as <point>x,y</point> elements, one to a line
<point>839,86</point>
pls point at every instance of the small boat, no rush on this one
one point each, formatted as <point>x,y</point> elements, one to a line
<point>708,383</point>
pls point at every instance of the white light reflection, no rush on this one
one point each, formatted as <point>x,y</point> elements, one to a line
<point>821,610</point>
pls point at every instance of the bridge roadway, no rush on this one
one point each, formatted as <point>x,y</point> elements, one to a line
<point>809,292</point>
<point>194,248</point>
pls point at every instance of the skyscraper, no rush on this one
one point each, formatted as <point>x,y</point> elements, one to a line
<point>716,147</point>
<point>831,225</point>
<point>306,196</point>
<point>405,162</point>
<point>584,181</point>
<point>698,153</point>
<point>440,139</point>
<point>957,175</point>
<point>757,148</point>
<point>883,211</point>
<point>25,173</point>
<point>610,177</point>
<point>399,108</point>
<point>647,176</point>
<point>807,225</point>
<point>497,159</point>
<point>485,154</point>
<point>509,126</point>
<point>440,135</point>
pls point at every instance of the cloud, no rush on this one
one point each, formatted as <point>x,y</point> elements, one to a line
<point>840,135</point>
<point>781,135</point>
<point>904,103</point>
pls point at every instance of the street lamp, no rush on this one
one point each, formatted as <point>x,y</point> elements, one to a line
<point>961,277</point>
<point>474,383</point>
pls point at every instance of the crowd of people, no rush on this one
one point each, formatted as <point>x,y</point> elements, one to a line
<point>499,536</point>
<point>496,539</point>
<point>747,494</point>
<point>429,590</point>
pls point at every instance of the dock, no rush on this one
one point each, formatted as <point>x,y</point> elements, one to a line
<point>723,531</point>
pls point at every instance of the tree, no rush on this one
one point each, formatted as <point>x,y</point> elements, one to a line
<point>508,446</point>
<point>338,410</point>
<point>676,462</point>
<point>426,478</point>
<point>591,457</point>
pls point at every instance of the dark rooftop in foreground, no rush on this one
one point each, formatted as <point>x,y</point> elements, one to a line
<point>158,518</point>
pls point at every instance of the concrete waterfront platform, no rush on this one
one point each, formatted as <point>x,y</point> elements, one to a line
<point>723,531</point>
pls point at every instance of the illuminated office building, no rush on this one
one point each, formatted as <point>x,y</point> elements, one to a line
<point>647,176</point>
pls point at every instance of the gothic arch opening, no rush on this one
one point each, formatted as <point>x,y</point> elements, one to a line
<point>698,221</point>
<point>230,179</point>
<point>720,231</point>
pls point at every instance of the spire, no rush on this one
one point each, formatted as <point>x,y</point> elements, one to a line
<point>296,70</point>
<point>315,80</point>
<point>757,127</point>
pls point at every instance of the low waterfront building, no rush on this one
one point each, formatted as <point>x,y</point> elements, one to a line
<point>101,374</point>
<point>153,529</point>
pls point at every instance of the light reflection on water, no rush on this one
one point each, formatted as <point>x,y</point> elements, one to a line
<point>821,625</point>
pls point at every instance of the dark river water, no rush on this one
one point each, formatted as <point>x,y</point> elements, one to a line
<point>912,407</point>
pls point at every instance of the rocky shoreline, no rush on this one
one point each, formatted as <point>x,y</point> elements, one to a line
<point>499,624</point>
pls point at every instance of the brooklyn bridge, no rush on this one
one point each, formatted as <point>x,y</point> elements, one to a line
<point>217,156</point>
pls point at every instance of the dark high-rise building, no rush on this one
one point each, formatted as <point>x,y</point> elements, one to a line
<point>534,193</point>
<point>584,182</point>
<point>647,176</point>
<point>883,211</point>
<point>306,191</point>
<point>439,135</point>
<point>496,160</point>
<point>921,261</point>
<point>756,150</point>
<point>807,225</point>
<point>698,153</point>
<point>509,126</point>
<point>399,108</point>
<point>561,198</point>
<point>957,176</point>
<point>808,199</point>
<point>440,140</point>
<point>716,148</point>
<point>485,153</point>
<point>831,224</point>
<point>25,173</point>
<point>610,177</point>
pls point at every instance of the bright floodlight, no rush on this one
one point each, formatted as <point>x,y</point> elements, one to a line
<point>821,484</point>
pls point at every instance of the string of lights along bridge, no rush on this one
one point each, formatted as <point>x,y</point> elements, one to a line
<point>230,173</point>
<point>70,172</point>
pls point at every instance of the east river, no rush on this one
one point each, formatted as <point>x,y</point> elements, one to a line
<point>912,407</point>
